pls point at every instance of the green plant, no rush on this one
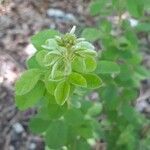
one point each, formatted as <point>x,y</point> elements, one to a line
<point>65,70</point>
<point>59,70</point>
<point>120,67</point>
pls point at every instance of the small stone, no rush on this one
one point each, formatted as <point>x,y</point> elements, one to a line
<point>32,146</point>
<point>133,22</point>
<point>61,15</point>
<point>141,105</point>
<point>11,147</point>
<point>18,128</point>
<point>30,50</point>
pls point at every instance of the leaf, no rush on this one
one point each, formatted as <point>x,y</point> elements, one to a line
<point>51,86</point>
<point>77,79</point>
<point>39,39</point>
<point>144,27</point>
<point>127,137</point>
<point>96,6</point>
<point>56,135</point>
<point>143,72</point>
<point>132,38</point>
<point>126,72</point>
<point>123,43</point>
<point>78,65</point>
<point>62,92</point>
<point>107,67</point>
<point>135,7</point>
<point>105,26</point>
<point>89,52</point>
<point>91,34</point>
<point>93,81</point>
<point>86,129</point>
<point>27,81</point>
<point>95,110</point>
<point>50,44</point>
<point>84,45</point>
<point>31,98</point>
<point>40,57</point>
<point>110,101</point>
<point>129,113</point>
<point>52,111</point>
<point>54,70</point>
<point>38,125</point>
<point>51,59</point>
<point>82,144</point>
<point>90,63</point>
<point>32,63</point>
<point>73,117</point>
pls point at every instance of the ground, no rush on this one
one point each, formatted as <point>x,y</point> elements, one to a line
<point>19,20</point>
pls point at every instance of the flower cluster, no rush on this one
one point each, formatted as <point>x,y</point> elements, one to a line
<point>66,54</point>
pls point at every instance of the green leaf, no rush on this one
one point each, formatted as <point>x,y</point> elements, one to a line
<point>82,144</point>
<point>107,67</point>
<point>78,65</point>
<point>144,27</point>
<point>91,34</point>
<point>135,7</point>
<point>105,26</point>
<point>122,43</point>
<point>62,92</point>
<point>96,6</point>
<point>77,79</point>
<point>51,59</point>
<point>38,125</point>
<point>52,111</point>
<point>32,63</point>
<point>86,129</point>
<point>27,81</point>
<point>51,86</point>
<point>93,81</point>
<point>90,63</point>
<point>127,138</point>
<point>40,57</point>
<point>50,44</point>
<point>111,102</point>
<point>40,38</point>
<point>143,72</point>
<point>73,117</point>
<point>56,135</point>
<point>84,45</point>
<point>95,110</point>
<point>129,113</point>
<point>31,98</point>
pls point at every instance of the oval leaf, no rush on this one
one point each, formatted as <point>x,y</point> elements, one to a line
<point>78,65</point>
<point>93,81</point>
<point>90,63</point>
<point>77,79</point>
<point>39,39</point>
<point>32,63</point>
<point>62,92</point>
<point>50,44</point>
<point>107,67</point>
<point>40,57</point>
<point>90,34</point>
<point>27,81</point>
<point>38,125</point>
<point>51,86</point>
<point>56,135</point>
<point>31,98</point>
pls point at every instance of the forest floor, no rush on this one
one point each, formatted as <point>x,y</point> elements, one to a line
<point>19,20</point>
